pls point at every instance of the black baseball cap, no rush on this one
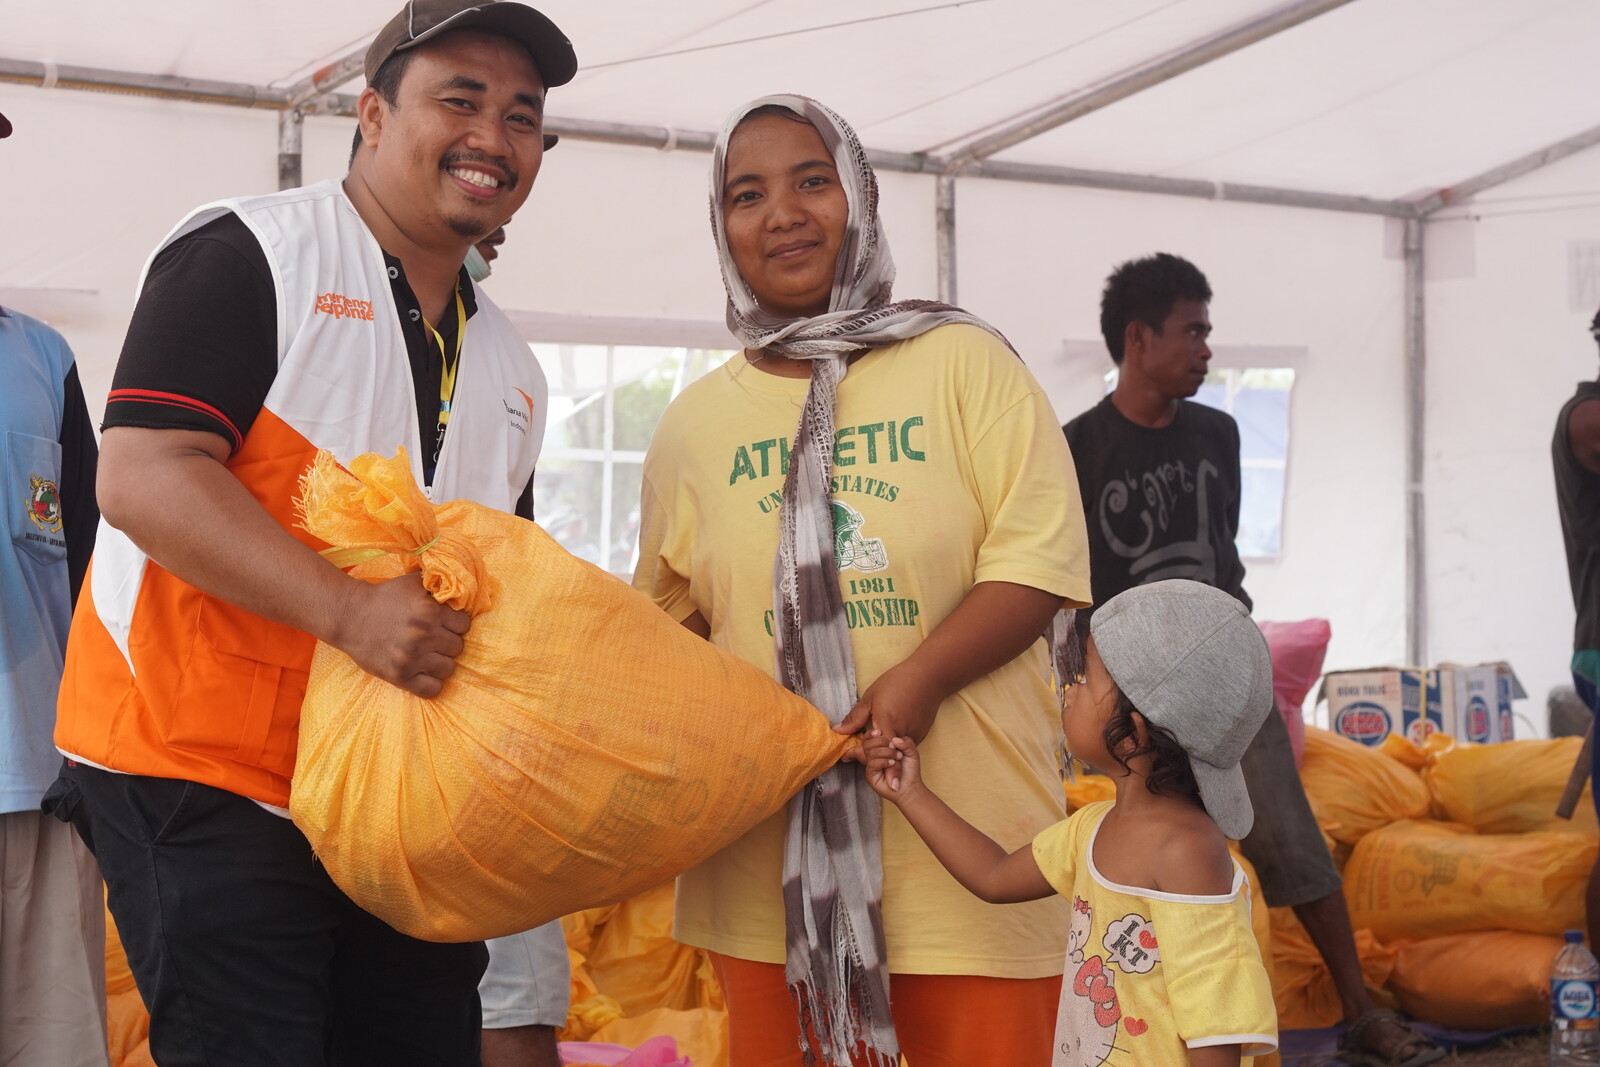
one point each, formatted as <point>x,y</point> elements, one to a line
<point>422,20</point>
<point>5,126</point>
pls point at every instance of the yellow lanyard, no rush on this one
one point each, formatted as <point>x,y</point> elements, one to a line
<point>447,374</point>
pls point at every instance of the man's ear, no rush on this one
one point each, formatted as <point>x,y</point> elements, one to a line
<point>1135,338</point>
<point>371,109</point>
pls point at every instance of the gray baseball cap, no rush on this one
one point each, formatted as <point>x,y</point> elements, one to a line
<point>1192,661</point>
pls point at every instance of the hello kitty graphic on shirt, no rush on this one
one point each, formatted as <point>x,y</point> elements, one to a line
<point>1091,1028</point>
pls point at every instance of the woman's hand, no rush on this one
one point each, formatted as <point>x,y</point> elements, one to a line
<point>894,767</point>
<point>901,703</point>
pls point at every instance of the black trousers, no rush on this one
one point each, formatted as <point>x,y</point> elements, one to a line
<point>244,950</point>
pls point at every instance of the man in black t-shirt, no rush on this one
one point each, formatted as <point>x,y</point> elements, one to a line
<point>1160,482</point>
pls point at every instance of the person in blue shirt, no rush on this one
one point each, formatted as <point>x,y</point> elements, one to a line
<point>52,924</point>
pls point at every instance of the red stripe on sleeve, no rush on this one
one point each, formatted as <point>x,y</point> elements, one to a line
<point>152,396</point>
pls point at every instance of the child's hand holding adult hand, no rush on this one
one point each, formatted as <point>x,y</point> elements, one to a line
<point>894,767</point>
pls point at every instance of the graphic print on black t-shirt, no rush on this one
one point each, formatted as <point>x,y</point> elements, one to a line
<point>1142,517</point>
<point>1159,503</point>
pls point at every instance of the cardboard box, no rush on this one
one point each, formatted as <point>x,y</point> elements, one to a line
<point>1473,703</point>
<point>1369,705</point>
<point>1475,692</point>
<point>1482,694</point>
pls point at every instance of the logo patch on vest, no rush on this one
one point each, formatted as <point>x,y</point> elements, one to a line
<point>44,504</point>
<point>519,418</point>
<point>343,307</point>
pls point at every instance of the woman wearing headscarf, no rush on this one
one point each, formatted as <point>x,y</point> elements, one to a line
<point>874,501</point>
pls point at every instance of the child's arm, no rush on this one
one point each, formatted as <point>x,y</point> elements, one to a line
<point>894,770</point>
<point>1215,1056</point>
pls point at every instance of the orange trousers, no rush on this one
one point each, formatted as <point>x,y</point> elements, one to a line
<point>942,1020</point>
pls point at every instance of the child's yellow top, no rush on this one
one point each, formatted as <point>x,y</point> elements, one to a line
<point>1150,975</point>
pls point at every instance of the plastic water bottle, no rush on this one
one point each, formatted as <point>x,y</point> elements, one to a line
<point>1574,1011</point>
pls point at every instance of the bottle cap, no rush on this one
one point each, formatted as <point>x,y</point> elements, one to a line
<point>1574,937</point>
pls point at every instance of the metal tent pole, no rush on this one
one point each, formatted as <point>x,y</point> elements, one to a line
<point>945,219</point>
<point>1416,439</point>
<point>1139,78</point>
<point>289,129</point>
<point>310,98</point>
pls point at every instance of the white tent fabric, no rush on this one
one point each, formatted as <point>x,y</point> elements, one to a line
<point>1377,98</point>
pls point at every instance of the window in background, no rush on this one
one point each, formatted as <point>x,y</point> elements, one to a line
<point>605,401</point>
<point>1258,400</point>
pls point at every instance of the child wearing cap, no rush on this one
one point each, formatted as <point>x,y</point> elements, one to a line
<point>1162,967</point>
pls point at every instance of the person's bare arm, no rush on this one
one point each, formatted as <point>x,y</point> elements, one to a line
<point>170,492</point>
<point>520,1046</point>
<point>696,624</point>
<point>993,625</point>
<point>1583,434</point>
<point>894,770</point>
<point>1215,1056</point>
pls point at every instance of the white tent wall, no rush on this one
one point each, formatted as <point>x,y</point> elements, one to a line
<point>1033,259</point>
<point>1506,347</point>
<point>90,183</point>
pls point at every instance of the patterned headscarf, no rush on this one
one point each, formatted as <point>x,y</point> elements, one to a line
<point>832,865</point>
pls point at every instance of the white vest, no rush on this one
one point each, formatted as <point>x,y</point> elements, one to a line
<point>344,377</point>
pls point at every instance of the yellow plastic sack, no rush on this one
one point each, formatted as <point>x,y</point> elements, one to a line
<point>1477,981</point>
<point>1401,748</point>
<point>1302,986</point>
<point>1418,880</point>
<point>1354,789</point>
<point>1088,789</point>
<point>586,749</point>
<point>1509,787</point>
<point>633,959</point>
<point>127,1021</point>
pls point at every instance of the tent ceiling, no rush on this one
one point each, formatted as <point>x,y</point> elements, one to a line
<point>1380,98</point>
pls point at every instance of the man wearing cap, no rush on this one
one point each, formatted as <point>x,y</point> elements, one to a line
<point>52,924</point>
<point>1575,451</point>
<point>1161,484</point>
<point>340,317</point>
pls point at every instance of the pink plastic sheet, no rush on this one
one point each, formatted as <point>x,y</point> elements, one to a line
<point>1298,649</point>
<point>657,1052</point>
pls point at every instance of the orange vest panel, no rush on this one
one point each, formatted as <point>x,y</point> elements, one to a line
<point>214,692</point>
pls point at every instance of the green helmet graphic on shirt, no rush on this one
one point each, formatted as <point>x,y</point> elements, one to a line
<point>850,549</point>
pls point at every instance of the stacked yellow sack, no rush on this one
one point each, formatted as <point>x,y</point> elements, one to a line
<point>631,981</point>
<point>1509,787</point>
<point>127,1022</point>
<point>1476,981</point>
<point>1475,905</point>
<point>1426,879</point>
<point>586,749</point>
<point>1354,789</point>
<point>1303,988</point>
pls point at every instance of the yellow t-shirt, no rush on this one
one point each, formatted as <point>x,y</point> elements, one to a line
<point>950,470</point>
<point>1151,975</point>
